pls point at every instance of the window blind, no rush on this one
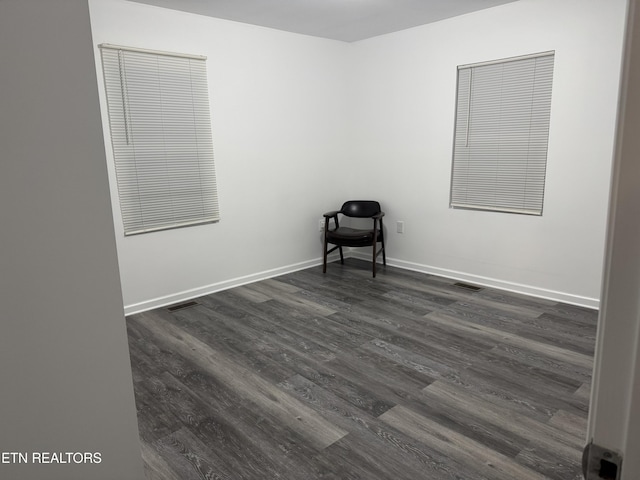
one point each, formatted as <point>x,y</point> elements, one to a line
<point>501,134</point>
<point>160,125</point>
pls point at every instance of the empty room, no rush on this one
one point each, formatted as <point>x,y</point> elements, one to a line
<point>492,333</point>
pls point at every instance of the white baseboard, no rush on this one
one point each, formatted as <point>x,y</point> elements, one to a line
<point>417,267</point>
<point>538,292</point>
<point>217,287</point>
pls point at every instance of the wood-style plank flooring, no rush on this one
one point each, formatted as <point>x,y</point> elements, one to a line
<point>341,376</point>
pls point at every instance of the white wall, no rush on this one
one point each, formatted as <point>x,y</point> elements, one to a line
<point>65,377</point>
<point>280,116</point>
<point>302,123</point>
<point>405,99</point>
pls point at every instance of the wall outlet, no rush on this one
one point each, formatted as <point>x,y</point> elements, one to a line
<point>400,227</point>
<point>321,225</point>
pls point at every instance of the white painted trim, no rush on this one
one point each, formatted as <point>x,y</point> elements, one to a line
<point>350,253</point>
<point>219,286</point>
<point>538,292</point>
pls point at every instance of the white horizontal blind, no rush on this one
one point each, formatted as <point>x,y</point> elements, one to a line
<point>501,135</point>
<point>161,135</point>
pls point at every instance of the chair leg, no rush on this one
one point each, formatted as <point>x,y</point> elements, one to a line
<point>341,256</point>
<point>384,250</point>
<point>374,259</point>
<point>324,261</point>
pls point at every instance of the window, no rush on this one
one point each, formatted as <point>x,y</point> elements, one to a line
<point>160,124</point>
<point>501,134</point>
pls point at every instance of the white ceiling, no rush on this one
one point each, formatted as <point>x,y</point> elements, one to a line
<point>346,20</point>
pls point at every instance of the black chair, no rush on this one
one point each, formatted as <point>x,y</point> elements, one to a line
<point>352,237</point>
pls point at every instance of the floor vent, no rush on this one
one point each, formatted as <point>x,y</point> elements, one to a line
<point>180,306</point>
<point>466,286</point>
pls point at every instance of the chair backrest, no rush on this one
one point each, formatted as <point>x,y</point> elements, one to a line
<point>360,208</point>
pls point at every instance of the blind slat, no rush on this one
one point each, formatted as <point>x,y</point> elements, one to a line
<point>161,135</point>
<point>501,135</point>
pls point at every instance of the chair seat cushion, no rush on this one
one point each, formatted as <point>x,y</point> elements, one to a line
<point>350,237</point>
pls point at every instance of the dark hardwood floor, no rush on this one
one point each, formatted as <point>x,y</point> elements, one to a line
<point>342,376</point>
